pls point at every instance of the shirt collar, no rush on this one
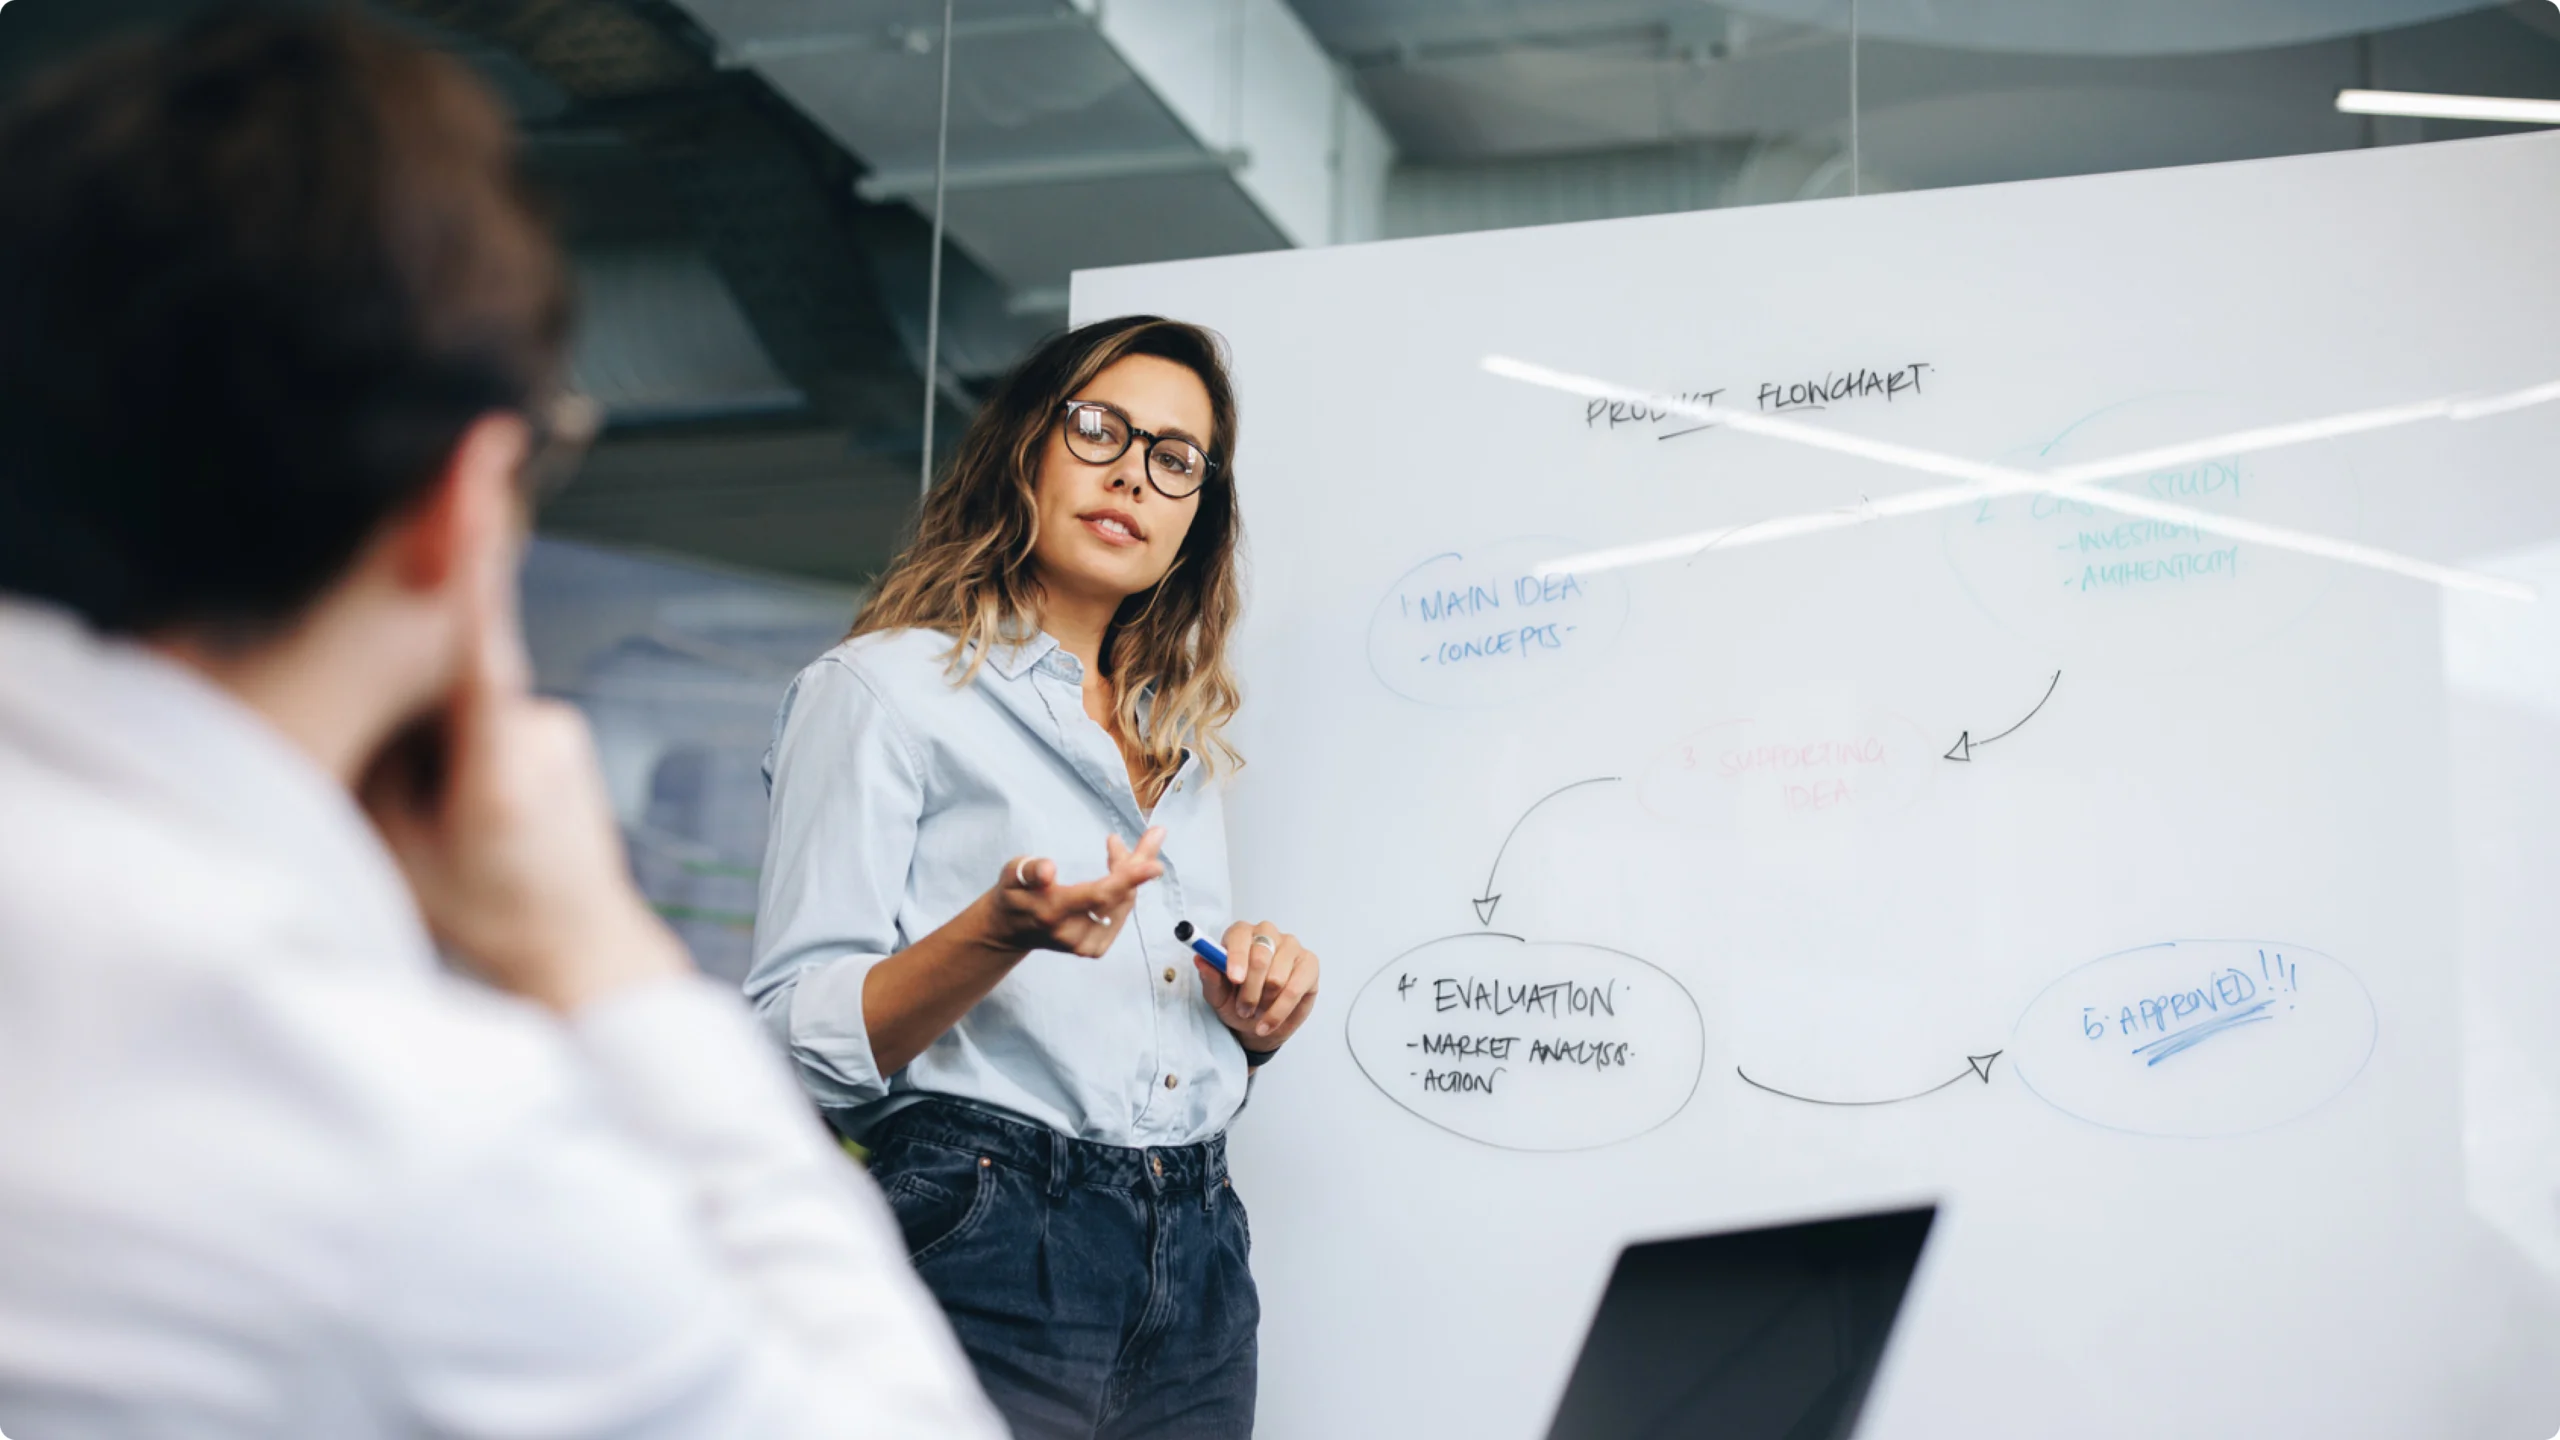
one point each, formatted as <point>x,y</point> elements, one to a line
<point>145,731</point>
<point>1041,651</point>
<point>1014,659</point>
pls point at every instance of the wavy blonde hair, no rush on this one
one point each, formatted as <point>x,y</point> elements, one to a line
<point>968,573</point>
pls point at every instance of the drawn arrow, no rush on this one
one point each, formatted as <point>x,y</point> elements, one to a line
<point>1491,897</point>
<point>1965,743</point>
<point>1977,1067</point>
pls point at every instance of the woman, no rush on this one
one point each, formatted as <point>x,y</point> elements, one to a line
<point>1042,1073</point>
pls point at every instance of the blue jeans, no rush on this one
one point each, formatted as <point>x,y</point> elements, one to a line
<point>1103,1293</point>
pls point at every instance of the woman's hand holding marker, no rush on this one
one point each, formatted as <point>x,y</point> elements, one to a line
<point>1029,910</point>
<point>1268,987</point>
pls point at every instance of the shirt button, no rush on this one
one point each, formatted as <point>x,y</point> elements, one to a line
<point>1168,974</point>
<point>1170,1082</point>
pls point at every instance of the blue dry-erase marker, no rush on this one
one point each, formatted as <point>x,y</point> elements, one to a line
<point>1183,932</point>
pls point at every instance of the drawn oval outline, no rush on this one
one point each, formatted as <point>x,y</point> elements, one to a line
<point>1685,792</point>
<point>2005,569</point>
<point>1500,659</point>
<point>1665,1096</point>
<point>2302,1027</point>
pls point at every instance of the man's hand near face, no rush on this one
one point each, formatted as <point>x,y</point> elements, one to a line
<point>497,809</point>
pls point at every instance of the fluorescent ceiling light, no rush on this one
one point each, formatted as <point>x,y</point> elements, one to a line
<point>2450,107</point>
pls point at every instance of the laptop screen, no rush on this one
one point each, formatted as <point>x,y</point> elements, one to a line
<point>1770,1334</point>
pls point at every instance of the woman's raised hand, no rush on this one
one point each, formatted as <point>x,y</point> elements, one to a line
<point>913,996</point>
<point>1029,910</point>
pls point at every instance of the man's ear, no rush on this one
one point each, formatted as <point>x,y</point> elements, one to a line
<point>474,507</point>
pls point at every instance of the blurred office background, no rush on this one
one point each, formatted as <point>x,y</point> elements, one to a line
<point>748,187</point>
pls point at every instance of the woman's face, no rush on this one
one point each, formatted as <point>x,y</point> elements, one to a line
<point>1104,532</point>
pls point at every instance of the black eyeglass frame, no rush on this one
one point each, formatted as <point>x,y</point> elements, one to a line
<point>1066,414</point>
<point>564,426</point>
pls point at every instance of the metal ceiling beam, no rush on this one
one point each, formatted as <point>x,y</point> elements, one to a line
<point>1052,170</point>
<point>913,39</point>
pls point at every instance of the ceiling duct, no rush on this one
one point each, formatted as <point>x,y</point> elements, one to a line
<point>2109,27</point>
<point>660,338</point>
<point>2038,27</point>
<point>1083,133</point>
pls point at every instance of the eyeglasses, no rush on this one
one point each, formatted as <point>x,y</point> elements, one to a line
<point>1098,434</point>
<point>563,426</point>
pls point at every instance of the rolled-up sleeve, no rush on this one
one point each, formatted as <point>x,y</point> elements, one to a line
<point>847,794</point>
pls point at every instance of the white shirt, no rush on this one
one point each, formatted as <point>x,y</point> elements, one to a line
<point>267,1170</point>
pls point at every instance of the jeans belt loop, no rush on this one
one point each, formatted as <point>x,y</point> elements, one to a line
<point>1057,1167</point>
<point>1213,1175</point>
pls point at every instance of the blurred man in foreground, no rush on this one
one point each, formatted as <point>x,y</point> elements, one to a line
<point>280,342</point>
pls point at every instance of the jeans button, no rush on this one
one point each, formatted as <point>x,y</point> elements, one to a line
<point>1156,1162</point>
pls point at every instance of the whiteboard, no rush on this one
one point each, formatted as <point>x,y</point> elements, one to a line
<point>2115,870</point>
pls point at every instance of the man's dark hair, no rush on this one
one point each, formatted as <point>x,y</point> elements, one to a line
<point>257,278</point>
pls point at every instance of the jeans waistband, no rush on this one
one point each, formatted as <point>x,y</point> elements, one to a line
<point>1064,1160</point>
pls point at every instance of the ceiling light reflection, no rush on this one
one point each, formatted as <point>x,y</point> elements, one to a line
<point>2512,110</point>
<point>2082,482</point>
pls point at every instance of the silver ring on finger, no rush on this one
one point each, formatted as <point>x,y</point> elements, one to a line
<point>1265,940</point>
<point>1097,919</point>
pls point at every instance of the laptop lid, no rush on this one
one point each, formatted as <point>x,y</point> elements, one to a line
<point>1770,1334</point>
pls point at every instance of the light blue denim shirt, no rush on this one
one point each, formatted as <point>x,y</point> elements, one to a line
<point>898,798</point>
